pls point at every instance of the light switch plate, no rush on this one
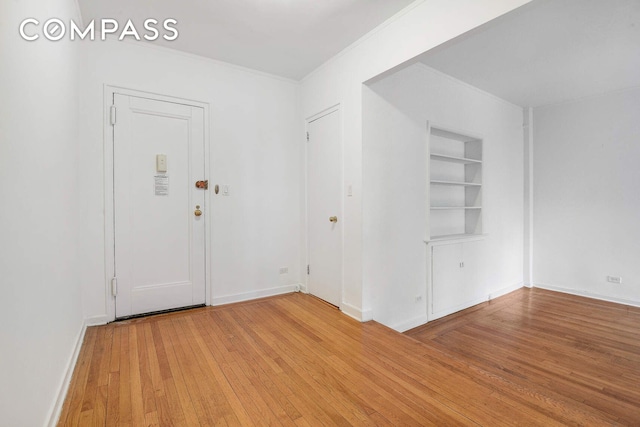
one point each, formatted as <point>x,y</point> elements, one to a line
<point>161,162</point>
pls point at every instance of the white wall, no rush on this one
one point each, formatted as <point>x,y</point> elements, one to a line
<point>395,113</point>
<point>587,197</point>
<point>41,316</point>
<point>422,26</point>
<point>256,230</point>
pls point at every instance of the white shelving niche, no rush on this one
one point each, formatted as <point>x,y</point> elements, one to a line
<point>455,185</point>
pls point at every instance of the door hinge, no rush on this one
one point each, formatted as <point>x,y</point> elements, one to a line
<point>112,115</point>
<point>307,136</point>
<point>308,270</point>
<point>114,286</point>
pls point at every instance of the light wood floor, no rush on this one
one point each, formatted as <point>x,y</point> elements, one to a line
<point>530,358</point>
<point>574,359</point>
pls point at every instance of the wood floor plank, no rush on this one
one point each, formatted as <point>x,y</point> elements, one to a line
<point>209,393</point>
<point>146,382</point>
<point>209,346</point>
<point>75,396</point>
<point>113,400</point>
<point>135,367</point>
<point>91,388</point>
<point>125,404</point>
<point>532,357</point>
<point>193,413</point>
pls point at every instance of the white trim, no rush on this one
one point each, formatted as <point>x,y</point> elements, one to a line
<point>176,99</point>
<point>485,298</point>
<point>102,319</point>
<point>109,239</point>
<point>587,294</point>
<point>461,239</point>
<point>356,313</point>
<point>410,324</point>
<point>109,91</point>
<point>323,113</point>
<point>248,296</point>
<point>208,204</point>
<point>63,387</point>
<point>504,291</point>
<point>459,307</point>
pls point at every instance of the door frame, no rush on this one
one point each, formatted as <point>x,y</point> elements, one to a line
<point>108,168</point>
<point>334,108</point>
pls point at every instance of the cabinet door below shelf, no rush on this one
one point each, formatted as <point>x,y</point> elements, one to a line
<point>447,277</point>
<point>456,277</point>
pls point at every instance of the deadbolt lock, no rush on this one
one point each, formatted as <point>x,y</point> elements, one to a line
<point>203,184</point>
<point>333,219</point>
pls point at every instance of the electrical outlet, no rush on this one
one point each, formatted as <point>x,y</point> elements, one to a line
<point>614,279</point>
<point>297,288</point>
<point>284,270</point>
<point>419,298</point>
<point>225,189</point>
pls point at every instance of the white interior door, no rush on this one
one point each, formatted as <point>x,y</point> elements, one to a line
<point>159,241</point>
<point>324,204</point>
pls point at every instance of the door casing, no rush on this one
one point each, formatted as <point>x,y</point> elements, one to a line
<point>109,230</point>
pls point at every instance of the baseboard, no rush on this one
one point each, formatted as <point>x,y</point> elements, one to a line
<point>356,313</point>
<point>504,291</point>
<point>488,297</point>
<point>587,294</point>
<point>102,319</point>
<point>457,308</point>
<point>410,324</point>
<point>247,296</point>
<point>63,388</point>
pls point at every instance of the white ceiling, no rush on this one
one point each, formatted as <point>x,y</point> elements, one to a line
<point>289,38</point>
<point>549,51</point>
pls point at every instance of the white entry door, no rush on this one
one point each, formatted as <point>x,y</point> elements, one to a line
<point>324,207</point>
<point>158,155</point>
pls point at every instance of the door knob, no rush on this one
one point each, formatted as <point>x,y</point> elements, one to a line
<point>197,212</point>
<point>333,219</point>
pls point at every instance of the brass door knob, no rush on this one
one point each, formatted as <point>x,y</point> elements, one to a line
<point>197,212</point>
<point>333,219</point>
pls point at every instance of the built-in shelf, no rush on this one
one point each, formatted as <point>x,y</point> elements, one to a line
<point>462,160</point>
<point>454,207</point>
<point>454,219</point>
<point>454,184</point>
<point>466,184</point>
<point>448,237</point>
